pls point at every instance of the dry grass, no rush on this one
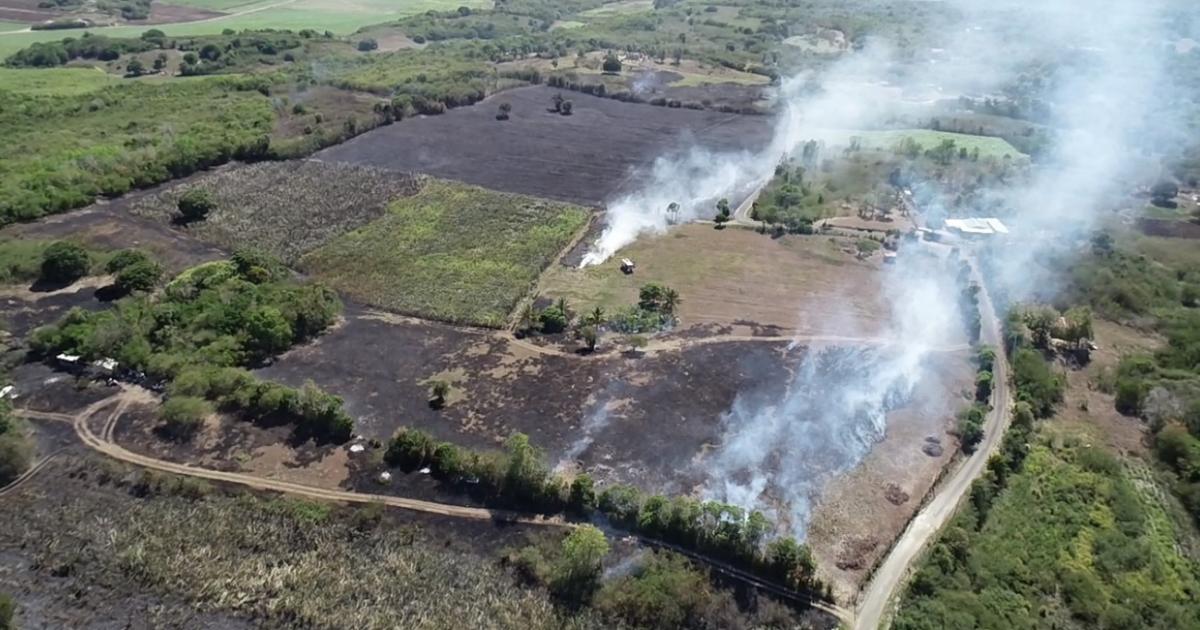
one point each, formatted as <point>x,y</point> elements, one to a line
<point>285,208</point>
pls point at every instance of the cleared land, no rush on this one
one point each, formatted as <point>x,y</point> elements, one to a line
<point>450,252</point>
<point>584,158</point>
<point>285,208</point>
<point>806,285</point>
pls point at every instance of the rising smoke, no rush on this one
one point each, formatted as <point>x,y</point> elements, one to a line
<point>1096,66</point>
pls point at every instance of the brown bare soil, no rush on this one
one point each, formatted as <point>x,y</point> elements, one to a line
<point>1169,228</point>
<point>586,157</point>
<point>169,13</point>
<point>25,11</point>
<point>739,278</point>
<point>860,513</point>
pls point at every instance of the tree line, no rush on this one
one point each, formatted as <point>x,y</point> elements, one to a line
<point>519,478</point>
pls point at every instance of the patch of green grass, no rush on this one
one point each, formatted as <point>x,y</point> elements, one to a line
<point>988,146</point>
<point>451,252</point>
<point>54,81</point>
<point>740,78</point>
<point>619,8</point>
<point>568,24</point>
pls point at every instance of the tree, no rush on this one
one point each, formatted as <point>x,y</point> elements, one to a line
<point>196,204</point>
<point>582,497</point>
<point>160,61</point>
<point>721,220</point>
<point>577,572</point>
<point>558,102</point>
<point>612,63</point>
<point>1041,323</point>
<point>528,321</point>
<point>983,386</point>
<point>135,67</point>
<point>139,276</point>
<point>505,109</point>
<point>1163,193</point>
<point>723,207</point>
<point>190,58</point>
<point>153,33</point>
<point>553,320</point>
<point>567,108</point>
<point>438,391</point>
<point>210,52</point>
<point>64,262</point>
<point>595,318</point>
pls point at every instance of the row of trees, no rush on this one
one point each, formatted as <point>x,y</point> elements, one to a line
<point>654,311</point>
<point>519,478</point>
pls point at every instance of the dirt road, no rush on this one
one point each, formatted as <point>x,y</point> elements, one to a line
<point>873,605</point>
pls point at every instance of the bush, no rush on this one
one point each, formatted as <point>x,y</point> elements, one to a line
<point>1035,383</point>
<point>612,63</point>
<point>195,204</point>
<point>64,262</point>
<point>553,320</point>
<point>125,258</point>
<point>139,276</point>
<point>182,417</point>
<point>367,45</point>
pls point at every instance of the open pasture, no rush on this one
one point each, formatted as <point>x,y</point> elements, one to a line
<point>596,152</point>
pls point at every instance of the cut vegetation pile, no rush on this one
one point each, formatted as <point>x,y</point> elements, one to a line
<point>451,252</point>
<point>285,208</point>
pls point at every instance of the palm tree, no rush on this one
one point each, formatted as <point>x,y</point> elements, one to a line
<point>528,319</point>
<point>670,300</point>
<point>596,317</point>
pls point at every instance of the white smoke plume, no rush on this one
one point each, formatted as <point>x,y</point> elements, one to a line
<point>1097,66</point>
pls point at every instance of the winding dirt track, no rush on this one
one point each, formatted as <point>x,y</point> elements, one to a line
<point>104,443</point>
<point>923,528</point>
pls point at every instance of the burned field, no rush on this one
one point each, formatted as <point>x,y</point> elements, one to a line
<point>285,208</point>
<point>586,157</point>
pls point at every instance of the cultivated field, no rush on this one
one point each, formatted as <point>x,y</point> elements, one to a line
<point>285,208</point>
<point>450,252</point>
<point>54,81</point>
<point>340,17</point>
<point>586,157</point>
<point>802,285</point>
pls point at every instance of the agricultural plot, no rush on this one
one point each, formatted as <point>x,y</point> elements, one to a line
<point>285,208</point>
<point>927,139</point>
<point>450,252</point>
<point>587,157</point>
<point>806,285</point>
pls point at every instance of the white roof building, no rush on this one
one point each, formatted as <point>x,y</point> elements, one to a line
<point>976,227</point>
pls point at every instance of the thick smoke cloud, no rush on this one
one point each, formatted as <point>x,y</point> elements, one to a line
<point>1096,67</point>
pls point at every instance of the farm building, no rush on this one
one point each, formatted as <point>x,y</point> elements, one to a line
<point>976,227</point>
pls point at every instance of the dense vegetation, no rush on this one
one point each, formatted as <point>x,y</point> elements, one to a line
<point>206,322</point>
<point>520,478</point>
<point>451,252</point>
<point>60,152</point>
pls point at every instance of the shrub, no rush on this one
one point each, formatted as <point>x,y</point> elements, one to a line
<point>553,320</point>
<point>138,276</point>
<point>182,417</point>
<point>64,262</point>
<point>612,63</point>
<point>125,258</point>
<point>367,45</point>
<point>195,204</point>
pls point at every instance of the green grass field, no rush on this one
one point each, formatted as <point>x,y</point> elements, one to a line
<point>619,8</point>
<point>320,15</point>
<point>987,145</point>
<point>54,81</point>
<point>451,252</point>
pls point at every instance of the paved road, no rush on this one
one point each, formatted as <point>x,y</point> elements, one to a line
<point>891,574</point>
